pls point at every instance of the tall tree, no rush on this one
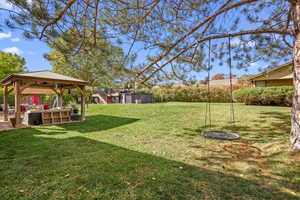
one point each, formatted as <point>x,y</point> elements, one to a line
<point>100,66</point>
<point>179,31</point>
<point>10,63</point>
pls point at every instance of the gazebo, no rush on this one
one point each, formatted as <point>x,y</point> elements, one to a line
<point>40,82</point>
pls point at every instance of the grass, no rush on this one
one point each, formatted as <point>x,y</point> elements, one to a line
<point>153,151</point>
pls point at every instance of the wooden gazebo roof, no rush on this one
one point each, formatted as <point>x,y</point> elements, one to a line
<point>46,76</point>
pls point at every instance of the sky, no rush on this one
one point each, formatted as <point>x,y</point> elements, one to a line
<point>33,51</point>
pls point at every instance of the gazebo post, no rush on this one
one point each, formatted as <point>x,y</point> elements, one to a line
<point>5,102</point>
<point>17,103</point>
<point>60,97</point>
<point>82,103</point>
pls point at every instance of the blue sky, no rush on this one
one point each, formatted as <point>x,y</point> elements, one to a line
<point>31,50</point>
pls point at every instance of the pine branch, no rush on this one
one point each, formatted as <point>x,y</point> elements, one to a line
<point>281,32</point>
<point>194,53</point>
<point>139,25</point>
<point>10,11</point>
<point>95,22</point>
<point>150,10</point>
<point>208,19</point>
<point>58,17</point>
<point>287,26</point>
<point>88,4</point>
<point>175,74</point>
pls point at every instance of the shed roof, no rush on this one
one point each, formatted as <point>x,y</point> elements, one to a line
<point>47,75</point>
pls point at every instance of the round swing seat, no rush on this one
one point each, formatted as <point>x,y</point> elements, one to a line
<point>220,134</point>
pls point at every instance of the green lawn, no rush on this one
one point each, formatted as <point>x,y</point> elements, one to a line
<point>153,151</point>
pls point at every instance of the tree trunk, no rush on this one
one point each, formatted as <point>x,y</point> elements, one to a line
<point>295,125</point>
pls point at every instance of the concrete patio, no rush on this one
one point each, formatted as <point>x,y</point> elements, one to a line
<point>5,126</point>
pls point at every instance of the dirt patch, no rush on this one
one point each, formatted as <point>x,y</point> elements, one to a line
<point>296,156</point>
<point>242,150</point>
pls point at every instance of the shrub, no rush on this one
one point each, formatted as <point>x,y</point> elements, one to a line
<point>191,94</point>
<point>11,98</point>
<point>264,95</point>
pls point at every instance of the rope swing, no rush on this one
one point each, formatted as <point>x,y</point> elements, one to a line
<point>219,134</point>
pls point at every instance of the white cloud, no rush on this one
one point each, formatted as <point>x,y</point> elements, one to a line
<point>235,42</point>
<point>15,39</point>
<point>5,4</point>
<point>251,43</point>
<point>5,35</point>
<point>13,50</point>
<point>238,43</point>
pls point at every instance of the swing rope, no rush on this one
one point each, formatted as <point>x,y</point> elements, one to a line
<point>232,117</point>
<point>207,122</point>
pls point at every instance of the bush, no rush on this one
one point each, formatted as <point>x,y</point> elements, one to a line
<point>264,95</point>
<point>11,98</point>
<point>191,94</point>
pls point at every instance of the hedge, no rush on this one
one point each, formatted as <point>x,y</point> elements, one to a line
<point>191,94</point>
<point>265,95</point>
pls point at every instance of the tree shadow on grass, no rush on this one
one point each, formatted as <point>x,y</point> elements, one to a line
<point>37,167</point>
<point>95,123</point>
<point>282,123</point>
<point>271,126</point>
<point>259,132</point>
<point>261,153</point>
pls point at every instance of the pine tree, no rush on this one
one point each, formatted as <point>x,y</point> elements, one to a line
<point>100,65</point>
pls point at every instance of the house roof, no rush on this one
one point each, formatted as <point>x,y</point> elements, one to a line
<point>116,94</point>
<point>47,75</point>
<point>222,82</point>
<point>213,83</point>
<point>287,75</point>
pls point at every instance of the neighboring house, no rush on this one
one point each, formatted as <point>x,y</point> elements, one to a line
<point>106,96</point>
<point>277,76</point>
<point>220,83</point>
